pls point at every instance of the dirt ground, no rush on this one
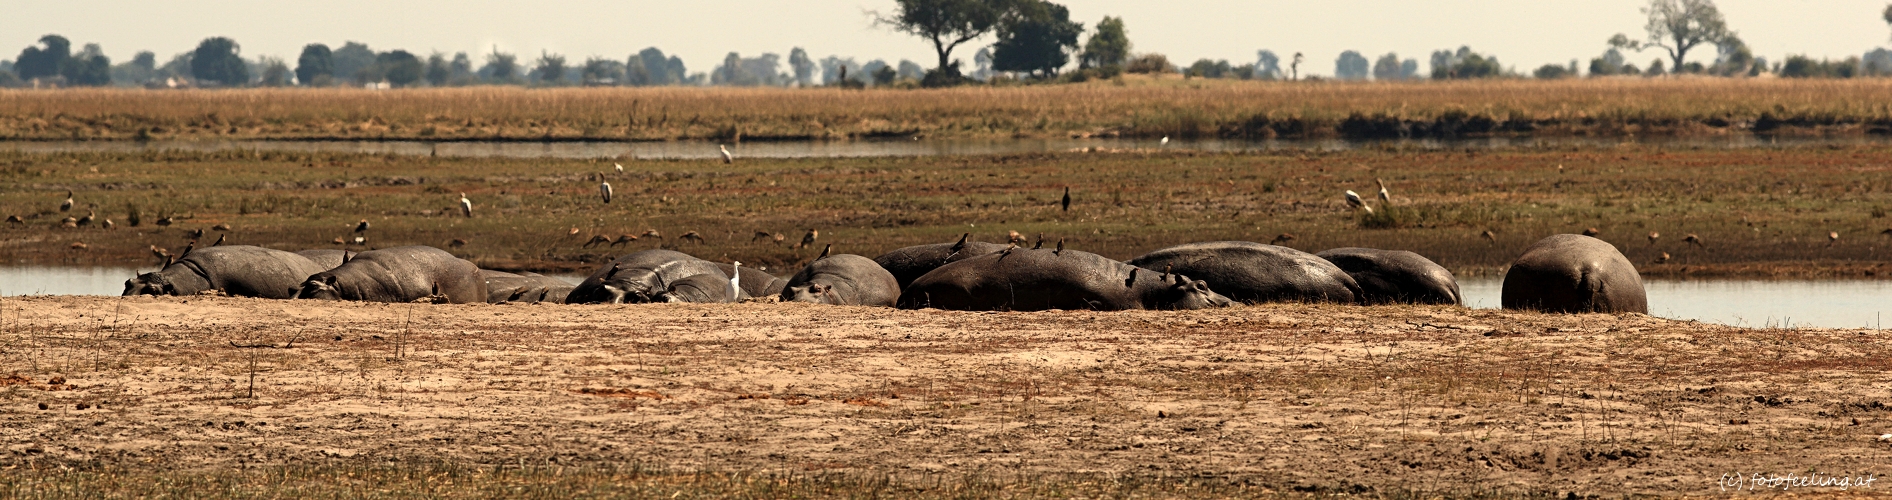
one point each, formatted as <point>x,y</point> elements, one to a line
<point>1308,398</point>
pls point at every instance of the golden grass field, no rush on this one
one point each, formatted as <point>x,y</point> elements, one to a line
<point>1135,106</point>
<point>1759,212</point>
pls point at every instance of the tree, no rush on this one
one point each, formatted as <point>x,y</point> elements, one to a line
<point>946,23</point>
<point>437,70</point>
<point>89,67</point>
<point>501,67</point>
<point>1448,65</point>
<point>1733,58</point>
<point>315,66</point>
<point>656,67</point>
<point>219,59</point>
<point>1888,14</point>
<point>44,61</point>
<point>1033,38</point>
<point>462,67</point>
<point>400,67</point>
<point>1678,26</point>
<point>1268,65</point>
<point>1350,66</point>
<point>1611,63</point>
<point>885,75</point>
<point>550,68</point>
<point>275,72</point>
<point>803,66</point>
<point>601,71</point>
<point>1387,67</point>
<point>351,60</point>
<point>1109,46</point>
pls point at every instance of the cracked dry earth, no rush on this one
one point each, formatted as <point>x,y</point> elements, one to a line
<point>1307,397</point>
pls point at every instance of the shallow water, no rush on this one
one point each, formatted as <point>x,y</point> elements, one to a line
<point>881,147</point>
<point>1747,303</point>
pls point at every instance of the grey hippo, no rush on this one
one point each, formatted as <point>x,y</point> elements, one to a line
<point>240,270</point>
<point>1395,276</point>
<point>910,263</point>
<point>843,280</point>
<point>526,288</point>
<point>1571,273</point>
<point>1020,279</point>
<point>639,277</point>
<point>399,274</point>
<point>1256,273</point>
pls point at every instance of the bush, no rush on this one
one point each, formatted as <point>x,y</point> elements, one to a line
<point>1148,64</point>
<point>1551,72</point>
<point>1801,66</point>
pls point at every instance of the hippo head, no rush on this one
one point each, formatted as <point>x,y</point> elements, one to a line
<point>149,284</point>
<point>321,287</point>
<point>632,292</point>
<point>812,292</point>
<point>1179,292</point>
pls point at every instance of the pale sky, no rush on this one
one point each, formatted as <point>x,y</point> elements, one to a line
<point>1522,33</point>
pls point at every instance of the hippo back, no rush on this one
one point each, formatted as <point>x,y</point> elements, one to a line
<point>755,283</point>
<point>328,258</point>
<point>1571,273</point>
<point>1035,280</point>
<point>1395,276</point>
<point>639,277</point>
<point>702,289</point>
<point>1256,273</point>
<point>910,263</point>
<point>239,270</point>
<point>845,279</point>
<point>555,289</point>
<point>400,274</point>
<point>508,287</point>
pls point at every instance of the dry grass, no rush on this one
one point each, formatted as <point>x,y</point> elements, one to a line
<point>1135,107</point>
<point>1760,212</point>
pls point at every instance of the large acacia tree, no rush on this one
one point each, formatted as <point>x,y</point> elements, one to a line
<point>947,23</point>
<point>218,59</point>
<point>1678,26</point>
<point>1035,36</point>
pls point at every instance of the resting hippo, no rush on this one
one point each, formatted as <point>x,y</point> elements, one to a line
<point>639,277</point>
<point>702,289</point>
<point>1255,273</point>
<point>1036,280</point>
<point>755,283</point>
<point>328,258</point>
<point>399,274</point>
<point>240,270</point>
<point>843,280</point>
<point>1568,273</point>
<point>910,263</point>
<point>1395,276</point>
<point>526,288</point>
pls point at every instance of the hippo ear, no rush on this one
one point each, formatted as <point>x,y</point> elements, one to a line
<point>328,279</point>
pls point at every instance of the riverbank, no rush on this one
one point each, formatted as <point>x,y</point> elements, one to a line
<point>761,397</point>
<point>1134,106</point>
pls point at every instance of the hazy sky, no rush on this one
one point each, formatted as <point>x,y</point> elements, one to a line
<point>1522,33</point>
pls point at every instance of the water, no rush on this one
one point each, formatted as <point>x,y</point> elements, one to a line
<point>880,148</point>
<point>1745,303</point>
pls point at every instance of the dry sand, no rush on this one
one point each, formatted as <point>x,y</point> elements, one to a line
<point>1294,397</point>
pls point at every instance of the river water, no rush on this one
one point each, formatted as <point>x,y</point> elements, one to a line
<point>1746,303</point>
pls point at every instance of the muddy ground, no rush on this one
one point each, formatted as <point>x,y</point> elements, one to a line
<point>1290,397</point>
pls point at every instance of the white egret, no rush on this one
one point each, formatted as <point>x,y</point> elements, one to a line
<point>620,167</point>
<point>466,206</point>
<point>1385,197</point>
<point>735,281</point>
<point>727,158</point>
<point>1164,142</point>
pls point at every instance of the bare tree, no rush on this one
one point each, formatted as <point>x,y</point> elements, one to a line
<point>1678,26</point>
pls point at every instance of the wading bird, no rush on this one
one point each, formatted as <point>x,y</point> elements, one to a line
<point>624,239</point>
<point>1353,199</point>
<point>652,234</point>
<point>456,243</point>
<point>691,237</point>
<point>620,167</point>
<point>466,206</point>
<point>727,158</point>
<point>1662,258</point>
<point>67,206</point>
<point>604,190</point>
<point>1163,143</point>
<point>167,221</point>
<point>1067,198</point>
<point>15,219</point>
<point>1694,240</point>
<point>597,240</point>
<point>824,251</point>
<point>735,279</point>
<point>1490,236</point>
<point>1385,198</point>
<point>109,224</point>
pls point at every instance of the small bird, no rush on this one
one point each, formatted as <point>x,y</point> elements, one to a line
<point>195,234</point>
<point>1591,232</point>
<point>1832,238</point>
<point>79,246</point>
<point>219,241</point>
<point>361,227</point>
<point>1040,244</point>
<point>1067,198</point>
<point>167,221</point>
<point>727,158</point>
<point>457,243</point>
<point>624,239</point>
<point>89,217</point>
<point>604,190</point>
<point>824,251</point>
<point>1488,235</point>
<point>466,206</point>
<point>15,219</point>
<point>597,240</point>
<point>339,241</point>
<point>1014,238</point>
<point>1653,236</point>
<point>735,279</point>
<point>1281,238</point>
<point>1385,198</point>
<point>620,167</point>
<point>69,223</point>
<point>109,225</point>
<point>159,252</point>
<point>652,234</point>
<point>1694,240</point>
<point>1662,258</point>
<point>1354,200</point>
<point>67,206</point>
<point>1164,142</point>
<point>1060,250</point>
<point>360,240</point>
<point>761,235</point>
<point>809,239</point>
<point>573,232</point>
<point>221,227</point>
<point>691,237</point>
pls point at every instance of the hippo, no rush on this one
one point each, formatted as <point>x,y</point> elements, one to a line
<point>527,288</point>
<point>240,270</point>
<point>1570,273</point>
<point>755,283</point>
<point>399,274</point>
<point>328,258</point>
<point>1034,280</point>
<point>702,289</point>
<point>1256,273</point>
<point>908,264</point>
<point>843,280</point>
<point>639,277</point>
<point>1395,276</point>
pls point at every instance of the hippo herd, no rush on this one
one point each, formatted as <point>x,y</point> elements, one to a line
<point>1563,273</point>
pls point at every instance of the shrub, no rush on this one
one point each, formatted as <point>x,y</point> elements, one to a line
<point>1148,64</point>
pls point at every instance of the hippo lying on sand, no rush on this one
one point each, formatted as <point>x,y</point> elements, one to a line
<point>1572,273</point>
<point>702,289</point>
<point>843,280</point>
<point>1395,276</point>
<point>240,270</point>
<point>527,288</point>
<point>1036,280</point>
<point>1256,273</point>
<point>400,274</point>
<point>639,277</point>
<point>910,263</point>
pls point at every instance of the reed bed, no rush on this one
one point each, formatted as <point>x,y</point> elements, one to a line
<point>1134,106</point>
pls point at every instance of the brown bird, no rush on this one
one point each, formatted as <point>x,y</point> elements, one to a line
<point>1281,238</point>
<point>159,252</point>
<point>1591,232</point>
<point>15,219</point>
<point>652,234</point>
<point>573,232</point>
<point>109,225</point>
<point>361,227</point>
<point>456,243</point>
<point>226,227</point>
<point>1041,242</point>
<point>79,246</point>
<point>1060,250</point>
<point>692,237</point>
<point>624,239</point>
<point>69,223</point>
<point>1488,235</point>
<point>195,234</point>
<point>1014,238</point>
<point>219,241</point>
<point>1694,240</point>
<point>67,206</point>
<point>1662,258</point>
<point>1653,236</point>
<point>597,240</point>
<point>809,239</point>
<point>167,221</point>
<point>340,241</point>
<point>1067,198</point>
<point>1832,238</point>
